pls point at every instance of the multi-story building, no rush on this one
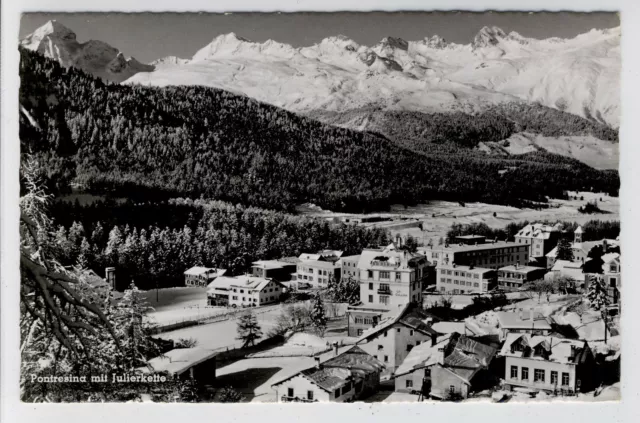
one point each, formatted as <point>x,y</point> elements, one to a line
<point>464,279</point>
<point>451,367</point>
<point>349,267</point>
<point>391,278</point>
<point>539,237</point>
<point>244,291</point>
<point>612,276</point>
<point>316,273</point>
<point>490,255</point>
<point>395,336</point>
<point>546,363</point>
<point>201,276</point>
<point>581,249</point>
<point>515,276</point>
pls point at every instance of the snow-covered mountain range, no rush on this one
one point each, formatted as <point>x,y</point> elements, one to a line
<point>580,75</point>
<point>58,42</point>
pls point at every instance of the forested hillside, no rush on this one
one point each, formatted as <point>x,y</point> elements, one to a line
<point>156,243</point>
<point>458,131</point>
<point>197,141</point>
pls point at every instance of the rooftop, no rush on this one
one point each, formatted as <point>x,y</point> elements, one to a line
<point>461,355</point>
<point>198,270</point>
<point>319,264</point>
<point>336,371</point>
<point>559,349</point>
<point>517,320</point>
<point>472,269</point>
<point>271,264</point>
<point>465,247</point>
<point>410,316</point>
<point>179,360</point>
<point>521,269</point>
<point>244,281</point>
<point>388,258</point>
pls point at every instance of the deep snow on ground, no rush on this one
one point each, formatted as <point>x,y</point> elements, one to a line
<point>438,216</point>
<point>180,304</point>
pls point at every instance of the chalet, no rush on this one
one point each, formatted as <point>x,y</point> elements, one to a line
<point>201,276</point>
<point>394,337</point>
<point>244,291</point>
<point>345,377</point>
<point>522,322</point>
<point>452,367</point>
<point>197,364</point>
<point>547,363</point>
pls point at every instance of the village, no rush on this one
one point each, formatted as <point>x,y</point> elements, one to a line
<point>473,319</point>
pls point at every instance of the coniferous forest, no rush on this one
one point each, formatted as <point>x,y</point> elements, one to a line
<point>143,142</point>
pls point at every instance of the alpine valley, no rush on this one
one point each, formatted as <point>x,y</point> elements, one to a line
<point>504,119</point>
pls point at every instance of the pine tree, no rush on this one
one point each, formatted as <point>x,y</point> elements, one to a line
<point>249,330</point>
<point>318,317</point>
<point>564,250</point>
<point>597,295</point>
<point>134,329</point>
<point>84,257</point>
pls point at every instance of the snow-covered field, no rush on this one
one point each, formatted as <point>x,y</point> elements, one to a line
<point>596,153</point>
<point>172,305</point>
<point>438,216</point>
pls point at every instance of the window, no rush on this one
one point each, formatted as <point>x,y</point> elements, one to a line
<point>417,343</point>
<point>554,377</point>
<point>385,333</point>
<point>409,383</point>
<point>514,372</point>
<point>455,282</point>
<point>442,279</point>
<point>359,320</point>
<point>370,286</point>
<point>612,282</point>
<point>235,297</point>
<point>384,275</point>
<point>384,299</point>
<point>379,347</point>
<point>565,379</point>
<point>346,388</point>
<point>613,268</point>
<point>242,291</point>
<point>370,298</point>
<point>476,285</point>
<point>398,330</point>
<point>359,332</point>
<point>337,393</point>
<point>310,395</point>
<point>409,347</point>
<point>525,373</point>
<point>538,375</point>
<point>411,332</point>
<point>370,274</point>
<point>452,389</point>
<point>386,358</point>
<point>398,276</point>
<point>290,392</point>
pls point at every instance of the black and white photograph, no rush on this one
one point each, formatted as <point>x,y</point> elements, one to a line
<point>320,207</point>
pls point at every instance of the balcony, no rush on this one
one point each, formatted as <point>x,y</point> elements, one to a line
<point>285,398</point>
<point>384,291</point>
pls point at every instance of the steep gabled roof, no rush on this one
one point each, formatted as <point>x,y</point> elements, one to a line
<point>560,350</point>
<point>410,316</point>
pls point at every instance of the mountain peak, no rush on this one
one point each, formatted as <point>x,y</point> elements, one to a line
<point>488,36</point>
<point>54,27</point>
<point>394,42</point>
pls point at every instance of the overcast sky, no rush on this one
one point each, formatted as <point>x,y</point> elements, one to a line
<point>149,36</point>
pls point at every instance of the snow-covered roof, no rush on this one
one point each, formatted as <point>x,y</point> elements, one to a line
<point>208,271</point>
<point>387,259</point>
<point>319,264</point>
<point>244,281</point>
<point>271,264</point>
<point>409,316</point>
<point>179,360</point>
<point>537,230</point>
<point>514,320</point>
<point>457,353</point>
<point>607,258</point>
<point>521,269</point>
<point>559,348</point>
<point>449,327</point>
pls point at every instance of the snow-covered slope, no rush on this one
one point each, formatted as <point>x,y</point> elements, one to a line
<point>578,75</point>
<point>58,42</point>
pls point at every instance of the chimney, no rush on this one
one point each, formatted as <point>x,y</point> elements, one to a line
<point>440,356</point>
<point>317,362</point>
<point>335,349</point>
